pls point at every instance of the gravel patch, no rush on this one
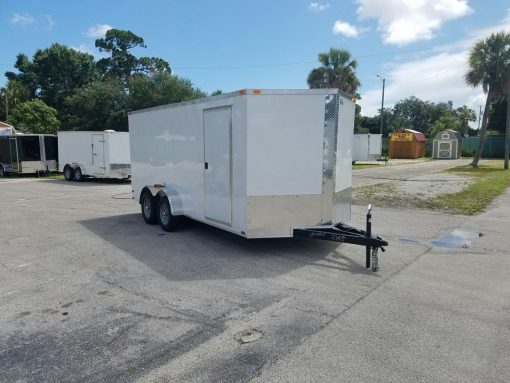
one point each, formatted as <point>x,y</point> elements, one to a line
<point>434,185</point>
<point>413,192</point>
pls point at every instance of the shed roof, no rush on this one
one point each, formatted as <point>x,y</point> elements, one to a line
<point>418,136</point>
<point>457,134</point>
<point>5,125</point>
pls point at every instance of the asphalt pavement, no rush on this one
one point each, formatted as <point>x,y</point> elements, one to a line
<point>91,293</point>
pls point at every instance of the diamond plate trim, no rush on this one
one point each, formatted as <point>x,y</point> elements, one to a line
<point>329,156</point>
<point>342,206</point>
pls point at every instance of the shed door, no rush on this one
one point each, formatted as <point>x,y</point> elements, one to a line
<point>98,153</point>
<point>217,166</point>
<point>445,150</point>
<point>13,146</point>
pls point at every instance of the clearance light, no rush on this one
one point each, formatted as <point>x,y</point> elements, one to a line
<point>257,91</point>
<point>242,92</point>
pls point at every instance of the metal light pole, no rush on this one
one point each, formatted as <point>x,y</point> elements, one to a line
<point>382,117</point>
<point>382,104</point>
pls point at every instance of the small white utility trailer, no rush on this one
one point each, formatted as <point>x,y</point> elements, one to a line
<point>94,154</point>
<point>258,163</point>
<point>366,147</point>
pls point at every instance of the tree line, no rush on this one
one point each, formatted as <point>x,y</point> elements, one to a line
<point>338,71</point>
<point>61,88</point>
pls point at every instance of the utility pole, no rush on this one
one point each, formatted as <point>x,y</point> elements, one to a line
<point>6,106</point>
<point>507,132</point>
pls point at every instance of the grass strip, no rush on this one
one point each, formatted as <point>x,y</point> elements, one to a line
<point>492,180</point>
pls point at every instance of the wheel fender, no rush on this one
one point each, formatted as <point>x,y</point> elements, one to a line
<point>75,165</point>
<point>168,192</point>
<point>173,198</point>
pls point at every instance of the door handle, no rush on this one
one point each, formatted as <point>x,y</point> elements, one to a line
<point>206,165</point>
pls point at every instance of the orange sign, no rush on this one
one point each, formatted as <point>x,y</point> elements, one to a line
<point>401,136</point>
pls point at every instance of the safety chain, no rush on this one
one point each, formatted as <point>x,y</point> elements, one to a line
<point>375,259</point>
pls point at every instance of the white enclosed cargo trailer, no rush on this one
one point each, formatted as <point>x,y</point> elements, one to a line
<point>258,163</point>
<point>94,154</point>
<point>366,147</point>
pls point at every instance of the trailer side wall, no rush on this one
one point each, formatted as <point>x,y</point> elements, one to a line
<point>167,147</point>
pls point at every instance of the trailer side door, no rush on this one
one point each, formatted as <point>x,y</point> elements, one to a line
<point>218,166</point>
<point>98,167</point>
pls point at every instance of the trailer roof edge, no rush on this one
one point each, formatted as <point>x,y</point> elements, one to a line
<point>248,91</point>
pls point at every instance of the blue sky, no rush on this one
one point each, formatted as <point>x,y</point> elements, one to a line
<point>419,46</point>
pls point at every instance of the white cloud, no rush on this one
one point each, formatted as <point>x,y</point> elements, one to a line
<point>345,29</point>
<point>317,7</point>
<point>43,22</point>
<point>22,19</point>
<point>98,30</point>
<point>84,48</point>
<point>50,21</point>
<point>438,77</point>
<point>405,21</point>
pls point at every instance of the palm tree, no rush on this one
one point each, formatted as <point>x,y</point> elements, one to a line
<point>465,114</point>
<point>488,66</point>
<point>337,71</point>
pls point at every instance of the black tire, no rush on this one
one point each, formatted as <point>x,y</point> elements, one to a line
<point>68,173</point>
<point>167,220</point>
<point>2,171</point>
<point>149,208</point>
<point>78,175</point>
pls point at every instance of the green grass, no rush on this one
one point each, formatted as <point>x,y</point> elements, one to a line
<point>54,176</point>
<point>491,181</point>
<point>364,166</point>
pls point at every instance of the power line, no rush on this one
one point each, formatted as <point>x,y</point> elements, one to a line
<point>263,65</point>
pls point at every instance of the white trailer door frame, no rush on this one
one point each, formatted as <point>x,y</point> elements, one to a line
<point>98,154</point>
<point>218,164</point>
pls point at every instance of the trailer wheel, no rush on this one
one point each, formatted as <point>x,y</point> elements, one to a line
<point>68,173</point>
<point>78,175</point>
<point>167,220</point>
<point>2,171</point>
<point>149,208</point>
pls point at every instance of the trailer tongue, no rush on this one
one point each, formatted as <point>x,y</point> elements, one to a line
<point>348,234</point>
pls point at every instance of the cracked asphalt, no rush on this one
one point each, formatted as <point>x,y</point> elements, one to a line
<point>90,293</point>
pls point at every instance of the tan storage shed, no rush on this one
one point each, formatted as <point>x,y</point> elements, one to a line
<point>406,143</point>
